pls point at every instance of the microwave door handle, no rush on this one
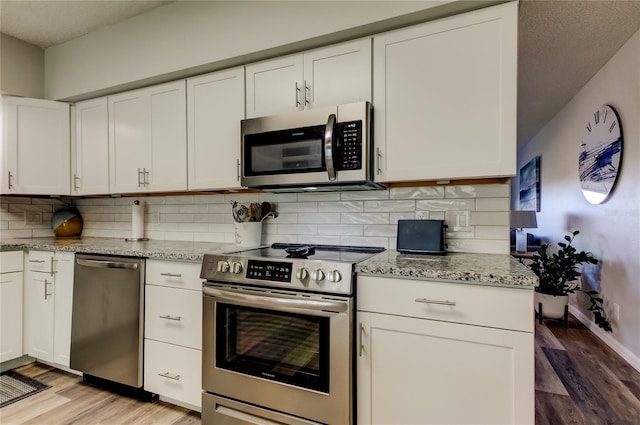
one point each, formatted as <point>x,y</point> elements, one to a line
<point>328,146</point>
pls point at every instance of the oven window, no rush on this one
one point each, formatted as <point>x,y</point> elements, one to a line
<point>284,347</point>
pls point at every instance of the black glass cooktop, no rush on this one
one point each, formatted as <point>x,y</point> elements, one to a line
<point>348,254</point>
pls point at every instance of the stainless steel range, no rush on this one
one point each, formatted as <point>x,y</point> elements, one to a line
<point>278,335</point>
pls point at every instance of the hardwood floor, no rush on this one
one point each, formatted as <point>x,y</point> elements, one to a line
<point>70,401</point>
<point>579,380</point>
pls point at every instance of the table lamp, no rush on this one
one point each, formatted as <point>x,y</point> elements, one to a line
<point>520,220</point>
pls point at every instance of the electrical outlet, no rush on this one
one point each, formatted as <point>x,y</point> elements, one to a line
<point>421,215</point>
<point>32,217</point>
<point>616,311</point>
<point>458,221</point>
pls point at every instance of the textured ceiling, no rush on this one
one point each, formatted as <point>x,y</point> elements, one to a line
<point>562,43</point>
<point>45,23</point>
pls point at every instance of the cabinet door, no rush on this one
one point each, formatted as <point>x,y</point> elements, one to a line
<point>274,86</point>
<point>63,302</point>
<point>215,107</point>
<point>445,97</point>
<point>338,74</point>
<point>127,141</point>
<point>39,305</point>
<point>37,147</point>
<point>416,371</point>
<point>10,315</point>
<point>91,175</point>
<point>167,150</point>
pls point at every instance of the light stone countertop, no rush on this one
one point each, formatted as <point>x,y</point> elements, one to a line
<point>159,250</point>
<point>484,269</point>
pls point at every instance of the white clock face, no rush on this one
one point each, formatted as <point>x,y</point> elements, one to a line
<point>600,155</point>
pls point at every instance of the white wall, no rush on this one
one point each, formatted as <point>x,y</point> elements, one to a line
<point>347,218</point>
<point>190,37</point>
<point>21,68</point>
<point>610,230</point>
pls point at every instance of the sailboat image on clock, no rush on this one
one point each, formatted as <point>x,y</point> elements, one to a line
<point>600,155</point>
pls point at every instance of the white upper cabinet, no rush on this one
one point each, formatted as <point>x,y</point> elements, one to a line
<point>90,167</point>
<point>215,107</point>
<point>148,139</point>
<point>327,76</point>
<point>445,97</point>
<point>36,147</point>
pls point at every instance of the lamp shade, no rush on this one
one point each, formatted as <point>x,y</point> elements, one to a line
<point>523,220</point>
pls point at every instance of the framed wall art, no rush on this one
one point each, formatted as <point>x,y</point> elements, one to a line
<point>529,195</point>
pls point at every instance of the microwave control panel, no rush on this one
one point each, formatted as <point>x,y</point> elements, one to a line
<point>349,152</point>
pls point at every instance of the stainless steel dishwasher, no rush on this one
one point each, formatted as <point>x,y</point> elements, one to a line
<point>107,319</point>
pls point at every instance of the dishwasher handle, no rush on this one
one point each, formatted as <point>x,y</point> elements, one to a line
<point>103,264</point>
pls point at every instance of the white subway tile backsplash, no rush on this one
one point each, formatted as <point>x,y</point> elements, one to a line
<point>426,192</point>
<point>364,218</point>
<point>346,218</point>
<point>492,204</point>
<point>446,204</point>
<point>390,206</point>
<point>342,206</point>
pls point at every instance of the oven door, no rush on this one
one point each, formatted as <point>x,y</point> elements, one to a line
<point>282,351</point>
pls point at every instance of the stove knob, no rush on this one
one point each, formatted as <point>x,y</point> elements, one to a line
<point>302,274</point>
<point>334,276</point>
<point>223,266</point>
<point>236,268</point>
<point>317,275</point>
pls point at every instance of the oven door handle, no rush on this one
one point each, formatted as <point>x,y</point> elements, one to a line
<point>278,303</point>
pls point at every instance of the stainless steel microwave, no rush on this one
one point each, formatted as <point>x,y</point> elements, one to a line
<point>320,149</point>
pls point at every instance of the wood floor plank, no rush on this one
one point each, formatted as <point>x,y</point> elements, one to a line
<point>545,377</point>
<point>25,410</point>
<point>190,418</point>
<point>584,394</point>
<point>545,338</point>
<point>556,409</point>
<point>634,387</point>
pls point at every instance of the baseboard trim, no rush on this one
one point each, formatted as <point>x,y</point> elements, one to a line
<point>606,337</point>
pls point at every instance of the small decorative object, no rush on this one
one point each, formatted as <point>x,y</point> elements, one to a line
<point>67,222</point>
<point>530,185</point>
<point>600,155</point>
<point>248,221</point>
<point>521,220</point>
<point>558,273</point>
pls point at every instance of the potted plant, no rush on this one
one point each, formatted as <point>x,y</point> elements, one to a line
<point>557,273</point>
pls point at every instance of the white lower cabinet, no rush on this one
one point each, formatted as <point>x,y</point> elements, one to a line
<point>10,305</point>
<point>48,297</point>
<point>420,370</point>
<point>173,332</point>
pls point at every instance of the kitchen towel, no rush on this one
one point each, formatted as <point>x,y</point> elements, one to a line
<point>137,221</point>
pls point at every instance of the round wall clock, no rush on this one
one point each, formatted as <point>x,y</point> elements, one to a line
<point>600,155</point>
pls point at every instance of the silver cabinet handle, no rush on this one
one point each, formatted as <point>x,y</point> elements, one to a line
<point>139,180</point>
<point>238,169</point>
<point>53,271</point>
<point>361,331</point>
<point>379,161</point>
<point>9,181</point>
<point>106,264</point>
<point>171,274</point>
<point>36,261</point>
<point>297,95</point>
<point>146,177</point>
<point>45,288</point>
<point>307,90</point>
<point>175,377</point>
<point>427,301</point>
<point>170,317</point>
<point>75,181</point>
<point>328,146</point>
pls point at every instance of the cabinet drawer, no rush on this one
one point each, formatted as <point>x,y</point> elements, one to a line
<point>40,261</point>
<point>173,372</point>
<point>497,307</point>
<point>176,274</point>
<point>173,315</point>
<point>11,261</point>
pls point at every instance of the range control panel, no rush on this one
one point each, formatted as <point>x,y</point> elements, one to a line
<point>295,274</point>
